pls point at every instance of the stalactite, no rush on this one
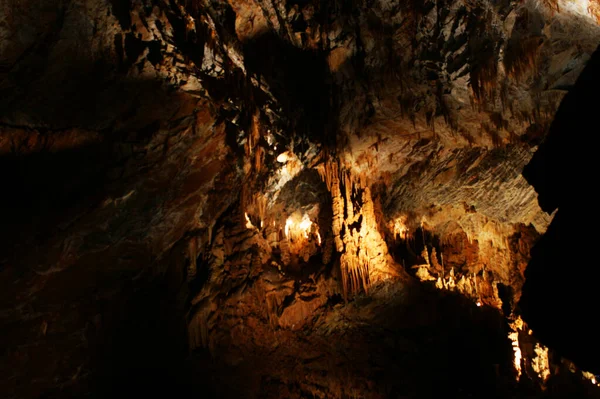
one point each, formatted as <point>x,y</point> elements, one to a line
<point>338,214</point>
<point>484,230</point>
<point>327,250</point>
<point>198,329</point>
<point>192,256</point>
<point>522,56</point>
<point>259,158</point>
<point>364,255</point>
<point>349,206</point>
<point>210,232</point>
<point>284,246</point>
<point>255,207</point>
<point>484,80</point>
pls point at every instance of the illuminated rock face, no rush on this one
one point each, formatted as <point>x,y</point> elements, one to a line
<point>299,181</point>
<point>364,255</point>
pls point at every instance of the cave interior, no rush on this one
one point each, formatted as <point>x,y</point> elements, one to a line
<point>298,198</point>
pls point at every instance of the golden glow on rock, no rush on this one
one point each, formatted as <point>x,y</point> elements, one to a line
<point>296,228</point>
<point>364,256</point>
<point>399,228</point>
<point>423,273</point>
<point>302,237</point>
<point>540,363</point>
<point>283,157</point>
<point>288,224</point>
<point>516,326</point>
<point>514,337</point>
<point>591,377</point>
<point>583,8</point>
<point>305,225</point>
<point>249,224</point>
<point>433,270</point>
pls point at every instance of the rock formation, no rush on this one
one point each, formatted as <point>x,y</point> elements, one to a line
<point>277,198</point>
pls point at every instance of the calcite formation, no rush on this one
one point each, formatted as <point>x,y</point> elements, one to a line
<point>364,255</point>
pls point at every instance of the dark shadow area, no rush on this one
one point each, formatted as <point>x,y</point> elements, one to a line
<point>408,252</point>
<point>560,296</point>
<point>54,174</point>
<point>417,343</point>
<point>141,339</point>
<point>40,189</point>
<point>300,80</point>
<point>49,177</point>
<point>423,344</point>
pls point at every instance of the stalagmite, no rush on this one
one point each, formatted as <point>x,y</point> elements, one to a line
<point>249,224</point>
<point>515,327</point>
<point>425,255</point>
<point>434,262</point>
<point>540,362</point>
<point>423,273</point>
<point>469,286</point>
<point>591,377</point>
<point>439,284</point>
<point>451,283</point>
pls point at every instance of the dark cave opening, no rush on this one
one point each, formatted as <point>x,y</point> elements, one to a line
<point>301,80</point>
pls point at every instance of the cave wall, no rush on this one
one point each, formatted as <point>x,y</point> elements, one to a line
<point>138,139</point>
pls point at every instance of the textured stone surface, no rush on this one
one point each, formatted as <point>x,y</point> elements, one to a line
<point>152,153</point>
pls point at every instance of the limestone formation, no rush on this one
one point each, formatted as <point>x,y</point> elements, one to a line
<point>276,198</point>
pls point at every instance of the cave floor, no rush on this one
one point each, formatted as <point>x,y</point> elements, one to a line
<point>397,342</point>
